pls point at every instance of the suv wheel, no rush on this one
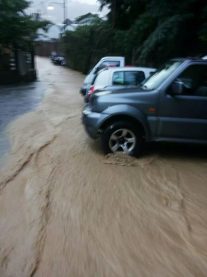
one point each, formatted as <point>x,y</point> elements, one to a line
<point>122,137</point>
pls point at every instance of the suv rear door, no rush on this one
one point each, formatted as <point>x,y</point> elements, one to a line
<point>184,116</point>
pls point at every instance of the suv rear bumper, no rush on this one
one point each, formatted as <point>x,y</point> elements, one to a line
<point>91,122</point>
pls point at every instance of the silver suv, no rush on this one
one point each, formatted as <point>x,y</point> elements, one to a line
<point>169,106</point>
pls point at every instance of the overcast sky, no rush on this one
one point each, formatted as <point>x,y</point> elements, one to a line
<point>75,8</point>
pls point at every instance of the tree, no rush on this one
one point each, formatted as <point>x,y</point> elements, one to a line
<point>17,28</point>
<point>158,29</point>
<point>123,13</point>
<point>146,32</point>
<point>93,38</point>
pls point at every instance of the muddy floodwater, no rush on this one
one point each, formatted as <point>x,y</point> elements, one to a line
<point>14,101</point>
<point>68,210</point>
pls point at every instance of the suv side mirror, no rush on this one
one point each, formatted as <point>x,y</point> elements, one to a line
<point>177,88</point>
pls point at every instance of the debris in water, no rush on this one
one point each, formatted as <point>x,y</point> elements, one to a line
<point>120,159</point>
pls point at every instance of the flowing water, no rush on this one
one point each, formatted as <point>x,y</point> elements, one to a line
<point>68,210</point>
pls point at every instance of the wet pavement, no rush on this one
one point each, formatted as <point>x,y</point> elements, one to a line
<point>15,101</point>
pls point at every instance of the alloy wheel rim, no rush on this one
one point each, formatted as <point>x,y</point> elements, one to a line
<point>122,140</point>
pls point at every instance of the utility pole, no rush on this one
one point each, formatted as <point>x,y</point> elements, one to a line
<point>64,10</point>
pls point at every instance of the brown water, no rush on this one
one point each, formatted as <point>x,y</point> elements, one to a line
<point>66,210</point>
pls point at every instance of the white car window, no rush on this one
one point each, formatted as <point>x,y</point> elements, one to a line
<point>118,78</point>
<point>133,78</point>
<point>111,64</point>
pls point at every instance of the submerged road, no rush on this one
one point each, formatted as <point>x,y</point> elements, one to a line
<point>67,210</point>
<point>15,101</point>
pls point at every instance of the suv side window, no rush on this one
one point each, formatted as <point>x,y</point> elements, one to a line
<point>195,80</point>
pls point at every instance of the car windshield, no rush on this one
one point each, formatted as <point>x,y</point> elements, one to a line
<point>156,80</point>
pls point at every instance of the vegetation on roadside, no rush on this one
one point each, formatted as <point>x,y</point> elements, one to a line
<point>146,32</point>
<point>17,29</point>
<point>17,33</point>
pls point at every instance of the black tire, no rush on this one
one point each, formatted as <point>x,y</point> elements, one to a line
<point>115,129</point>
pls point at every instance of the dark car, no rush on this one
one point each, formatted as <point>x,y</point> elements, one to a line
<point>169,106</point>
<point>57,59</point>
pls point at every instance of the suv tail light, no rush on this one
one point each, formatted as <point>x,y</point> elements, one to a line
<point>91,90</point>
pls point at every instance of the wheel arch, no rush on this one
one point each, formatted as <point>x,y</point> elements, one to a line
<point>125,117</point>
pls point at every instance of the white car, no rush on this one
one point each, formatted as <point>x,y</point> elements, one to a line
<point>118,78</point>
<point>114,61</point>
